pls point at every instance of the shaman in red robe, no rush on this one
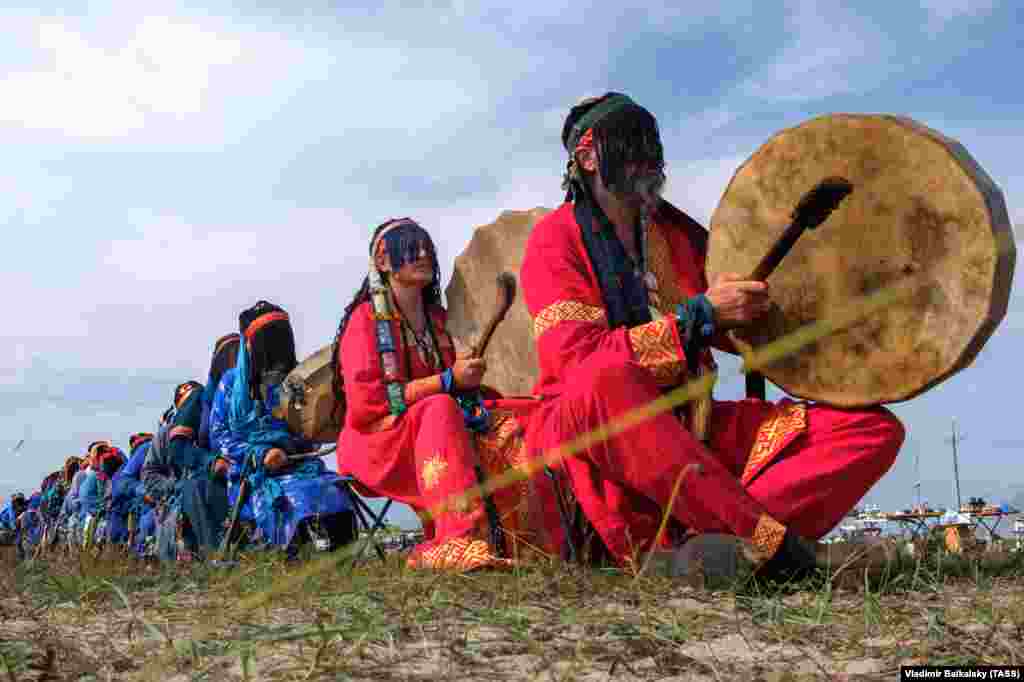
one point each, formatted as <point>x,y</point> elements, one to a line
<point>766,468</point>
<point>425,457</point>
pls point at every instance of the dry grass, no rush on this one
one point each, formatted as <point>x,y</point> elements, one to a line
<point>264,620</point>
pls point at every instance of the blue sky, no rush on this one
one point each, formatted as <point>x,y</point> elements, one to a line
<point>165,166</point>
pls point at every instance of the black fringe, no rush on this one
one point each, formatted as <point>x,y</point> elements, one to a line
<point>223,359</point>
<point>273,346</point>
<point>629,135</point>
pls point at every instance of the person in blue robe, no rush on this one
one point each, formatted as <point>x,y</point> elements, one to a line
<point>126,494</point>
<point>10,527</point>
<point>57,506</point>
<point>292,500</point>
<point>49,505</point>
<point>106,460</point>
<point>225,355</point>
<point>11,510</point>
<point>30,526</point>
<point>71,519</point>
<point>186,482</point>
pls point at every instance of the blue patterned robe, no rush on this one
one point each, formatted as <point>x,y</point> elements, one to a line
<point>280,502</point>
<point>126,494</point>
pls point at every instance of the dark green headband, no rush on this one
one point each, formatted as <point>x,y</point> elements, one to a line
<point>590,119</point>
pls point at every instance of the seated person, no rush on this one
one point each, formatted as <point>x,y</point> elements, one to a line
<point>10,511</point>
<point>185,482</point>
<point>30,527</point>
<point>290,500</point>
<point>71,511</point>
<point>126,494</point>
<point>405,435</point>
<point>622,309</point>
<point>105,461</point>
<point>64,513</point>
<point>10,527</point>
<point>50,502</point>
<point>225,355</point>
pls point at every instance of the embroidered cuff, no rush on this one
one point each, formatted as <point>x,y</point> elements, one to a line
<point>657,348</point>
<point>767,538</point>
<point>567,311</point>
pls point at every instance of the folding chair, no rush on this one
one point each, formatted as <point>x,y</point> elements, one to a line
<point>581,544</point>
<point>363,510</point>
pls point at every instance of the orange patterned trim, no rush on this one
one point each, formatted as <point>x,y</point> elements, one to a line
<point>772,435</point>
<point>566,311</point>
<point>656,348</point>
<point>460,555</point>
<point>659,261</point>
<point>418,389</point>
<point>501,448</point>
<point>432,471</point>
<point>767,538</point>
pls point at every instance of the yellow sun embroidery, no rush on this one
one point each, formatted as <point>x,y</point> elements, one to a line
<point>433,468</point>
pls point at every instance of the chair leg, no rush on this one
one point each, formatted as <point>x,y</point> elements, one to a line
<point>569,549</point>
<point>378,523</point>
<point>362,510</point>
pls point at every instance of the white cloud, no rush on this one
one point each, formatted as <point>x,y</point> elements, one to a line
<point>94,90</point>
<point>828,51</point>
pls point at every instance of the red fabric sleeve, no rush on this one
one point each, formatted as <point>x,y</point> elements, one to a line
<point>564,300</point>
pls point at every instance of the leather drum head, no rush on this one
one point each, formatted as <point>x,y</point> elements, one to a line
<point>921,207</point>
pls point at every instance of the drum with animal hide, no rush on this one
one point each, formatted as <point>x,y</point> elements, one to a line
<point>512,365</point>
<point>306,399</point>
<point>921,208</point>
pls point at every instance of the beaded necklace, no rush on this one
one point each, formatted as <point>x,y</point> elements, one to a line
<point>383,314</point>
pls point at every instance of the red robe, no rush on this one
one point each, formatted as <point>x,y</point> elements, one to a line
<point>768,466</point>
<point>424,458</point>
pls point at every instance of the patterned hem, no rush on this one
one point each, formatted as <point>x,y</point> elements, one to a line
<point>460,555</point>
<point>567,311</point>
<point>767,538</point>
<point>772,436</point>
<point>656,348</point>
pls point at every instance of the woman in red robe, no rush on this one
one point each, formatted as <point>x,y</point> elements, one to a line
<point>614,280</point>
<point>406,435</point>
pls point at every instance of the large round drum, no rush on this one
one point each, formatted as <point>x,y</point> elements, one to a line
<point>512,366</point>
<point>921,207</point>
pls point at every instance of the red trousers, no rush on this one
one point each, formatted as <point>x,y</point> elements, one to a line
<point>816,474</point>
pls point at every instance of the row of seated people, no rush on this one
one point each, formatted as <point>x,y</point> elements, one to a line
<point>171,496</point>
